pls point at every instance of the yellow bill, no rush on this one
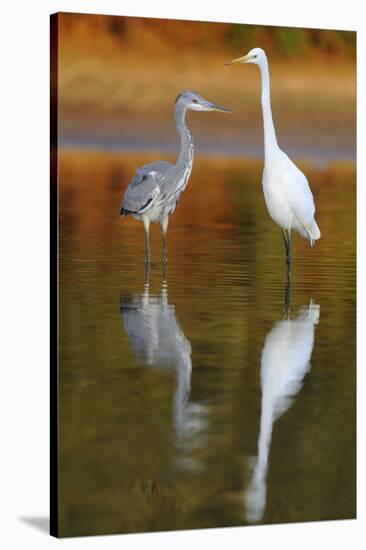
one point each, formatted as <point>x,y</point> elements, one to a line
<point>242,59</point>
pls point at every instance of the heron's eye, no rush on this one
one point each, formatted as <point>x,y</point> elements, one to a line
<point>195,101</point>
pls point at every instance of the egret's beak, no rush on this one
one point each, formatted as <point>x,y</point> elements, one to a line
<point>213,107</point>
<point>243,59</point>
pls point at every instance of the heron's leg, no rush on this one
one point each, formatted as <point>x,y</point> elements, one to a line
<point>165,273</point>
<point>164,226</point>
<point>147,231</point>
<point>147,276</point>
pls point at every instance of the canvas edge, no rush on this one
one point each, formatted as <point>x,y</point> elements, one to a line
<point>54,383</point>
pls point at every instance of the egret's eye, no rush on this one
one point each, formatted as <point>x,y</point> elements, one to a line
<point>195,101</point>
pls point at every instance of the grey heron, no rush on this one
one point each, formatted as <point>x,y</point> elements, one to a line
<point>153,193</point>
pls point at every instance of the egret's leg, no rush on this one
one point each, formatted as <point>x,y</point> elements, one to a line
<point>287,303</point>
<point>287,240</point>
<point>289,250</point>
<point>147,231</point>
<point>164,226</point>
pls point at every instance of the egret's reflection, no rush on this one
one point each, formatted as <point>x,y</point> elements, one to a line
<point>284,363</point>
<point>153,330</point>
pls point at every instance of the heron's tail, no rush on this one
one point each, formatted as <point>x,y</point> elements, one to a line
<point>123,212</point>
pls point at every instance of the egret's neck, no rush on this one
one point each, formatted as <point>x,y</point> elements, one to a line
<point>270,140</point>
<point>186,141</point>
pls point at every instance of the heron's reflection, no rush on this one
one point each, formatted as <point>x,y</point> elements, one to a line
<point>284,363</point>
<point>157,340</point>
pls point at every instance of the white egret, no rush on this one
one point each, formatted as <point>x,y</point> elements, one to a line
<point>286,190</point>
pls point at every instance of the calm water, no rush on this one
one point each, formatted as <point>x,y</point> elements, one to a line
<point>194,397</point>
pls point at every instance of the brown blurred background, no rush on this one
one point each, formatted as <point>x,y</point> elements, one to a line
<point>119,76</point>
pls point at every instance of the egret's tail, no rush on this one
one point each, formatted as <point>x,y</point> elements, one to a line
<point>314,233</point>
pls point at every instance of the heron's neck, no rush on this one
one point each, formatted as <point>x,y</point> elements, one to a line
<point>186,141</point>
<point>270,140</point>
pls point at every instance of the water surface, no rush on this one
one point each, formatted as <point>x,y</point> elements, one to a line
<point>206,394</point>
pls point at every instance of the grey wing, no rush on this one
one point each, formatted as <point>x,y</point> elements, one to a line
<point>144,188</point>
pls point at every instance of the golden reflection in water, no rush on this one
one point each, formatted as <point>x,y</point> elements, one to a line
<point>161,433</point>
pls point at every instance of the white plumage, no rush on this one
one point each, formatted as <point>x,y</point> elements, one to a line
<point>288,197</point>
<point>287,194</point>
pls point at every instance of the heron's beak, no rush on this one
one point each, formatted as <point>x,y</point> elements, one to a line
<point>213,107</point>
<point>243,59</point>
